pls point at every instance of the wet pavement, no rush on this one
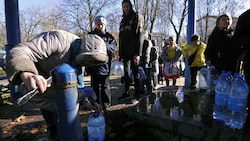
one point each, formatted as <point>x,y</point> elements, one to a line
<point>167,119</point>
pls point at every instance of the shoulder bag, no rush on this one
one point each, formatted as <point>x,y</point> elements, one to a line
<point>191,57</point>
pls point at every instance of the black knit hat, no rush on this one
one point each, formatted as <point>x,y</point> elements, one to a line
<point>128,1</point>
<point>195,37</point>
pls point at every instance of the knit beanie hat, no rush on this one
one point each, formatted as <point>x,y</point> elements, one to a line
<point>100,19</point>
<point>128,1</point>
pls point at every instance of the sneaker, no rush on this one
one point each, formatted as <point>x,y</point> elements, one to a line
<point>124,96</point>
<point>106,106</point>
<point>135,101</point>
<point>155,88</point>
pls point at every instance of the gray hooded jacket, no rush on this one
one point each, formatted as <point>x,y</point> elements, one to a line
<point>48,50</point>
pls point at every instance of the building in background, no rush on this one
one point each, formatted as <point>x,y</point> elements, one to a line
<point>159,39</point>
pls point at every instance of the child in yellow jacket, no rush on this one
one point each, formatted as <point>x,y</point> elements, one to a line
<point>199,59</point>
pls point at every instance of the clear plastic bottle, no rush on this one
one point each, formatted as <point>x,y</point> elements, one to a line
<point>222,90</point>
<point>202,78</point>
<point>96,127</point>
<point>206,76</point>
<point>237,103</point>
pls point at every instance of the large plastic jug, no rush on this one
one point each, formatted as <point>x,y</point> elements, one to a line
<point>222,90</point>
<point>96,127</point>
<point>237,103</point>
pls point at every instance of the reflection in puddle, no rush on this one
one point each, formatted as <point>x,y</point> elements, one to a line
<point>190,107</point>
<point>176,113</point>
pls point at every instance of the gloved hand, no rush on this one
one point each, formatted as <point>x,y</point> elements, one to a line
<point>96,106</point>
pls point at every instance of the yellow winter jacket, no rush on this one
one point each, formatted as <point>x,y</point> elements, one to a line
<point>199,60</point>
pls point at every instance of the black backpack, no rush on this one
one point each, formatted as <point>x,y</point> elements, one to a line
<point>153,54</point>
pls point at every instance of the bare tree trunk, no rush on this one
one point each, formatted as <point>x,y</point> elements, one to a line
<point>154,11</point>
<point>171,16</point>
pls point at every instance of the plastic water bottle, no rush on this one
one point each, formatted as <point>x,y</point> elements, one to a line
<point>206,76</point>
<point>222,90</point>
<point>96,127</point>
<point>117,68</point>
<point>202,78</point>
<point>237,103</point>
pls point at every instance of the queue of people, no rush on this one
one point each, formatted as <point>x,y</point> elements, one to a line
<point>31,62</point>
<point>221,51</point>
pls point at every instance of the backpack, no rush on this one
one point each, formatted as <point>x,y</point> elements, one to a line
<point>154,54</point>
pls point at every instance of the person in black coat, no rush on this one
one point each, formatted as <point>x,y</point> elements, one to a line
<point>100,73</point>
<point>242,39</point>
<point>130,46</point>
<point>220,51</point>
<point>145,61</point>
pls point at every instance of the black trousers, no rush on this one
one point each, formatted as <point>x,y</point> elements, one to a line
<point>101,86</point>
<point>148,81</point>
<point>193,73</point>
<point>130,65</point>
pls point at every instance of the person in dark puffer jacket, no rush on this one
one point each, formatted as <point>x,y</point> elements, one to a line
<point>242,39</point>
<point>100,73</point>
